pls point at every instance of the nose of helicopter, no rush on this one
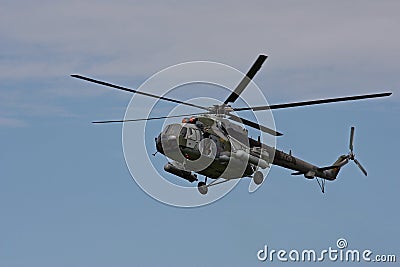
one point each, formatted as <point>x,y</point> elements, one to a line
<point>158,144</point>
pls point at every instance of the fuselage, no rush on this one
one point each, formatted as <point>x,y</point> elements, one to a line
<point>204,146</point>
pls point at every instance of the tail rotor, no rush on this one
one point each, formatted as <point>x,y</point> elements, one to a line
<point>351,155</point>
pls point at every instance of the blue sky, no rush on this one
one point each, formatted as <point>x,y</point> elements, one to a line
<point>66,195</point>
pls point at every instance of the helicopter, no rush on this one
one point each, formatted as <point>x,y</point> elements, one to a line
<point>216,145</point>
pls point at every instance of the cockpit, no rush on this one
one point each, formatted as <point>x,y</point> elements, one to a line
<point>178,135</point>
<point>186,131</point>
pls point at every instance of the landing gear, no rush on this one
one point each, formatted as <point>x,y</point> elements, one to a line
<point>258,177</point>
<point>202,187</point>
<point>321,185</point>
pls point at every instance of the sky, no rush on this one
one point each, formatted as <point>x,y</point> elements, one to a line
<point>66,195</point>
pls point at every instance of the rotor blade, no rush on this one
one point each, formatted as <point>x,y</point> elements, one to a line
<point>314,102</point>
<point>361,167</point>
<point>148,119</point>
<point>246,79</point>
<point>135,91</point>
<point>254,125</point>
<point>351,138</point>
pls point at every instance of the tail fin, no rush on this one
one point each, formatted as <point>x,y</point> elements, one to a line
<point>341,161</point>
<point>334,169</point>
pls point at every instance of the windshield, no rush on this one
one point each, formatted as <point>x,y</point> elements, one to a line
<point>172,129</point>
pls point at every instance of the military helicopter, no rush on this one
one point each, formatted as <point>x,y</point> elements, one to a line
<point>213,145</point>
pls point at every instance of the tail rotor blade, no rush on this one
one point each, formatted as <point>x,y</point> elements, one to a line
<point>351,139</point>
<point>361,167</point>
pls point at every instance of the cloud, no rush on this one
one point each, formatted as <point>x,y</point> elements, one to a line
<point>125,38</point>
<point>12,123</point>
<point>315,49</point>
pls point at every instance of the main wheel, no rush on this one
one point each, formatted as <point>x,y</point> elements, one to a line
<point>202,187</point>
<point>258,177</point>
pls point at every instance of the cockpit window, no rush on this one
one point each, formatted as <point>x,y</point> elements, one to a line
<point>172,129</point>
<point>166,128</point>
<point>193,134</point>
<point>183,131</point>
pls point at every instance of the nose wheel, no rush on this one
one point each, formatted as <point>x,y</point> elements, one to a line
<point>258,177</point>
<point>202,187</point>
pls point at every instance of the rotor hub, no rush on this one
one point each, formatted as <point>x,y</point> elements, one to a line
<point>223,109</point>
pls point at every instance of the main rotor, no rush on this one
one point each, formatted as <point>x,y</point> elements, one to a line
<point>225,109</point>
